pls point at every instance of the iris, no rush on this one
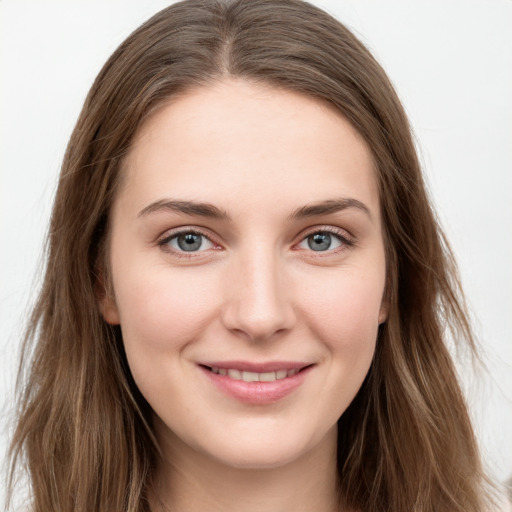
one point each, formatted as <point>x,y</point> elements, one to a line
<point>189,242</point>
<point>319,241</point>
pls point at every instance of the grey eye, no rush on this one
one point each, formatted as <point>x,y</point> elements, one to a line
<point>190,242</point>
<point>321,241</point>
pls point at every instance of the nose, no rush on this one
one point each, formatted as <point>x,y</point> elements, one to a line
<point>257,302</point>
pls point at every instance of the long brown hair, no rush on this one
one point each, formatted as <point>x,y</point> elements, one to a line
<point>84,431</point>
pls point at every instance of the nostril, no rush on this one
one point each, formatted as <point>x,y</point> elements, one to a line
<point>261,322</point>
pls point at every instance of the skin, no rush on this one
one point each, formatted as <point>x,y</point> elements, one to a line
<point>255,291</point>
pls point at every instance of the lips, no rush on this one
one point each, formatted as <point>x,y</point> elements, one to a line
<point>256,383</point>
<point>246,376</point>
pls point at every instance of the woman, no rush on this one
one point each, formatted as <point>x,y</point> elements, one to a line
<point>246,290</point>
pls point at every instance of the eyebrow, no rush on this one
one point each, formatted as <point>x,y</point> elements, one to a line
<point>209,210</point>
<point>328,207</point>
<point>186,207</point>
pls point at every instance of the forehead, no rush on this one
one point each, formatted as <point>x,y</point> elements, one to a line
<point>235,140</point>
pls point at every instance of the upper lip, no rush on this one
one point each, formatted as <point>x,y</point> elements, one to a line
<point>247,366</point>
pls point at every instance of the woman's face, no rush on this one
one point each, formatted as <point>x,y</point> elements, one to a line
<point>248,269</point>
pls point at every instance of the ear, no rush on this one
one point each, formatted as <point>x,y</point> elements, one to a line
<point>108,309</point>
<point>384,311</point>
<point>386,300</point>
<point>106,301</point>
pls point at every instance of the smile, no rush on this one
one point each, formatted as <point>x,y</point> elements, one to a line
<point>256,383</point>
<point>247,376</point>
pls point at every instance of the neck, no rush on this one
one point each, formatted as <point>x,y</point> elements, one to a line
<point>192,482</point>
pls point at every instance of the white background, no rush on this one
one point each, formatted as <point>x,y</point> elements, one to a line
<point>451,62</point>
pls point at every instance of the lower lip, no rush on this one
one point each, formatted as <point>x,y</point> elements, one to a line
<point>257,392</point>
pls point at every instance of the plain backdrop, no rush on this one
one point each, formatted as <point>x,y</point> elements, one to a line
<point>451,62</point>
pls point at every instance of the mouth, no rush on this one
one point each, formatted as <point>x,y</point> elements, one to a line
<point>256,383</point>
<point>248,376</point>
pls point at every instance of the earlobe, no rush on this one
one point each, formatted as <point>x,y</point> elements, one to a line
<point>384,310</point>
<point>106,302</point>
<point>385,302</point>
<point>108,309</point>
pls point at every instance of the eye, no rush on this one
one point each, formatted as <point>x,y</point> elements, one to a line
<point>322,241</point>
<point>188,241</point>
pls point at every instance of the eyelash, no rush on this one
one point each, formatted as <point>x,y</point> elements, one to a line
<point>345,240</point>
<point>164,242</point>
<point>342,236</point>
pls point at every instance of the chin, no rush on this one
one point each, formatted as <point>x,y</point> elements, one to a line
<point>270,451</point>
<point>270,457</point>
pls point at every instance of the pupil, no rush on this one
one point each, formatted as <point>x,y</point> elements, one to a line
<point>319,241</point>
<point>189,242</point>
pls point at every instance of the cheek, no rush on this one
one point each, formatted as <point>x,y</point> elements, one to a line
<point>345,308</point>
<point>344,314</point>
<point>161,313</point>
<point>163,310</point>
<point>342,311</point>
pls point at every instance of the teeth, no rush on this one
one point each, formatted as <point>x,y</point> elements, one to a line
<point>254,376</point>
<point>234,374</point>
<point>250,377</point>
